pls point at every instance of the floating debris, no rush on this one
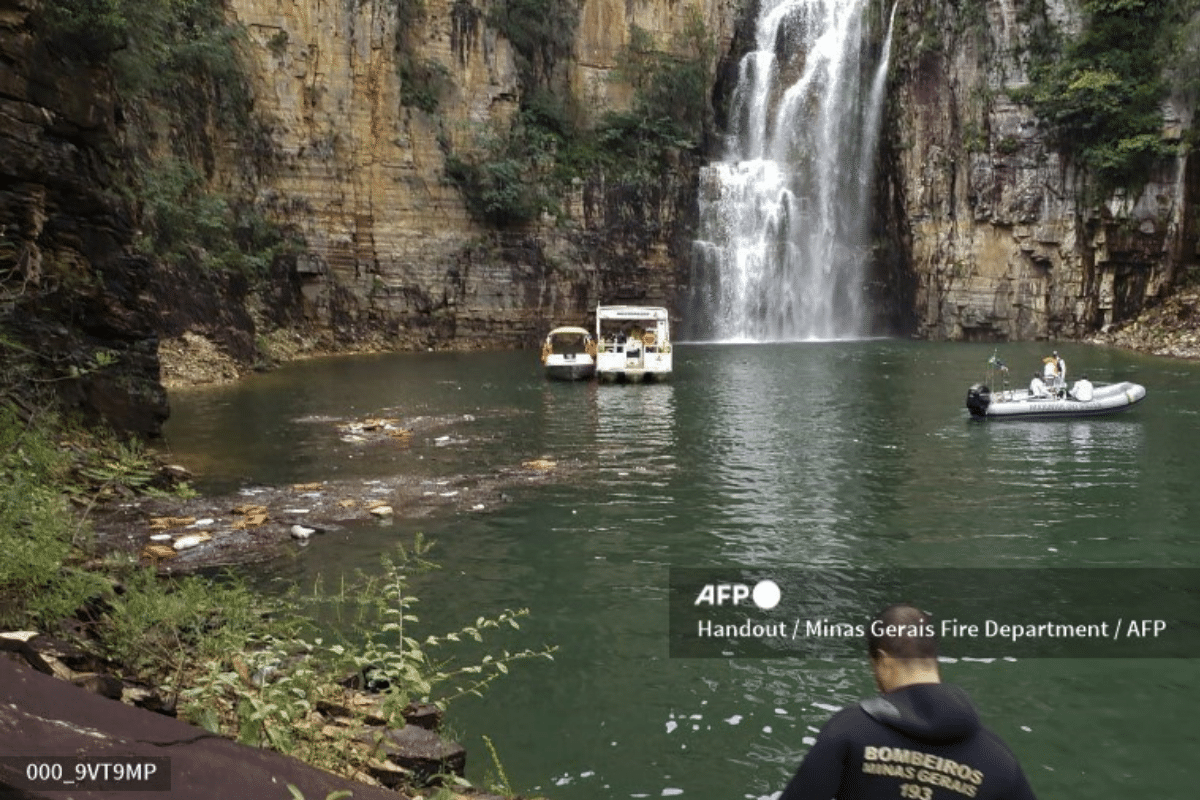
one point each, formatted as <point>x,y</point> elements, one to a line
<point>373,428</point>
<point>165,523</point>
<point>157,552</point>
<point>190,541</point>
<point>302,533</point>
<point>382,511</point>
<point>253,516</point>
<point>543,464</point>
<point>307,487</point>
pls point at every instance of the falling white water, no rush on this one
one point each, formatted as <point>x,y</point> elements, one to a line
<point>782,253</point>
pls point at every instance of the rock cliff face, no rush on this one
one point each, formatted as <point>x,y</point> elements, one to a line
<point>71,299</point>
<point>998,241</point>
<point>392,252</point>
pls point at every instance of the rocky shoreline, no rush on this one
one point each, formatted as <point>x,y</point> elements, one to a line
<point>1171,328</point>
<point>52,709</point>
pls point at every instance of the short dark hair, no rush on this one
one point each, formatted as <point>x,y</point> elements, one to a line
<point>903,631</point>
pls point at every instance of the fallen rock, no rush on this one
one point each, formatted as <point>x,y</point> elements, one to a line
<point>103,685</point>
<point>367,709</point>
<point>421,752</point>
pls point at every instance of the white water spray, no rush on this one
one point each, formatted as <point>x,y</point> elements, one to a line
<point>782,254</point>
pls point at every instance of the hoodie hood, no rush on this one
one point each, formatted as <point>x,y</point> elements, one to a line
<point>938,713</point>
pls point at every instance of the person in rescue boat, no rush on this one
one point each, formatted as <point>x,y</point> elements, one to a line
<point>920,739</point>
<point>1082,390</point>
<point>1037,387</point>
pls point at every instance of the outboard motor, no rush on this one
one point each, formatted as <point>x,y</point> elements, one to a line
<point>979,397</point>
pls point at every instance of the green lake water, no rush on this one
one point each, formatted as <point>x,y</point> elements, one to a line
<point>835,456</point>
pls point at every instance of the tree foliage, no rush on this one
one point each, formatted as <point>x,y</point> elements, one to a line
<point>1101,95</point>
<point>542,32</point>
<point>163,48</point>
<point>517,173</point>
<point>186,224</point>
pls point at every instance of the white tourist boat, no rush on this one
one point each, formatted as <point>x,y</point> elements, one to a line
<point>569,354</point>
<point>634,344</point>
<point>1105,398</point>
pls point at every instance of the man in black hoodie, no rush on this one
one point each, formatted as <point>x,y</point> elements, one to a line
<point>920,739</point>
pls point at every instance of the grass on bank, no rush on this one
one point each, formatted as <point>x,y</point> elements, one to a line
<point>249,668</point>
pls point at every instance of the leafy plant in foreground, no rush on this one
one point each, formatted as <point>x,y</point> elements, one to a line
<point>266,693</point>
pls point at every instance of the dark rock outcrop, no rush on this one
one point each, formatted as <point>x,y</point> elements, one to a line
<point>44,717</point>
<point>71,299</point>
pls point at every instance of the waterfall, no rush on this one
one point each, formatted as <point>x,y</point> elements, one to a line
<point>784,217</point>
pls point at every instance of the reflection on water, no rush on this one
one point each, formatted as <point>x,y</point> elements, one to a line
<point>1113,442</point>
<point>635,432</point>
<point>780,485</point>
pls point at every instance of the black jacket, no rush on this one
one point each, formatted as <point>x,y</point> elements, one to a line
<point>922,742</point>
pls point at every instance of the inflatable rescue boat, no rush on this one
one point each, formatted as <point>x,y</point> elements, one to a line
<point>1106,398</point>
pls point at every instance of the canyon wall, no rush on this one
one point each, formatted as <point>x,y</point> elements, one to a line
<point>992,221</point>
<point>393,253</point>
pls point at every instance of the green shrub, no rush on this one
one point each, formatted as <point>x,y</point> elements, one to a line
<point>422,84</point>
<point>40,577</point>
<point>542,32</point>
<point>162,49</point>
<point>264,691</point>
<point>512,175</point>
<point>159,627</point>
<point>185,223</point>
<point>504,179</point>
<point>671,89</point>
<point>1101,95</point>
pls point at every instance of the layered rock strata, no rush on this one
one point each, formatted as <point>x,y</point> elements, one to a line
<point>999,242</point>
<point>392,252</point>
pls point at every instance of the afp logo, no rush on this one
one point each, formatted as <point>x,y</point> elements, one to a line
<point>764,594</point>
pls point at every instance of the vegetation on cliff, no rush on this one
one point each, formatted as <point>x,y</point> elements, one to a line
<point>524,168</point>
<point>127,215</point>
<point>1101,94</point>
<point>181,87</point>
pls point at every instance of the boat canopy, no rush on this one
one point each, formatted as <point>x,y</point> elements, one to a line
<point>631,313</point>
<point>570,330</point>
